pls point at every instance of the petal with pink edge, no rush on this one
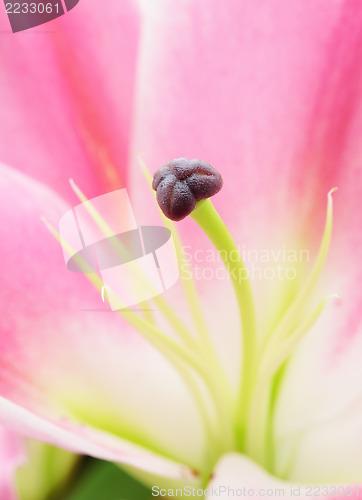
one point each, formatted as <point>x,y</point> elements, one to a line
<point>86,440</point>
<point>66,96</point>
<point>64,357</point>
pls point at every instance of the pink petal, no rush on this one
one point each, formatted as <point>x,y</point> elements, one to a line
<point>64,361</point>
<point>236,475</point>
<point>66,96</point>
<point>11,457</point>
<point>81,439</point>
<point>268,94</point>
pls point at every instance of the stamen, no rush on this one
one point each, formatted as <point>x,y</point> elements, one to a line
<point>260,418</point>
<point>180,184</point>
<point>188,284</point>
<point>189,287</point>
<point>194,302</point>
<point>183,187</point>
<point>163,306</point>
<point>151,332</point>
<point>107,231</point>
<point>212,436</point>
<point>98,219</point>
<point>279,345</point>
<point>171,350</point>
<point>81,263</point>
<point>287,347</point>
<point>283,328</point>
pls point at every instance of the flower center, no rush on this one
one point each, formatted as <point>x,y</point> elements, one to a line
<point>241,421</point>
<point>262,366</point>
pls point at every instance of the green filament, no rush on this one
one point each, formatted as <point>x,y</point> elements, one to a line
<point>213,226</point>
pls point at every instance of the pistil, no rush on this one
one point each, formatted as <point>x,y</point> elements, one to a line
<point>253,418</point>
<point>184,186</point>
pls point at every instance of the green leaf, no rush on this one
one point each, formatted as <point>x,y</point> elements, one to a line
<point>106,481</point>
<point>45,472</point>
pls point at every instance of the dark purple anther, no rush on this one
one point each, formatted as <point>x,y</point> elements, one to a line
<point>181,183</point>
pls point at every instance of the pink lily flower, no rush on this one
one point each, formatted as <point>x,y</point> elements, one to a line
<point>270,94</point>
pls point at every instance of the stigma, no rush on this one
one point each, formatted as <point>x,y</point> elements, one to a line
<point>181,183</point>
